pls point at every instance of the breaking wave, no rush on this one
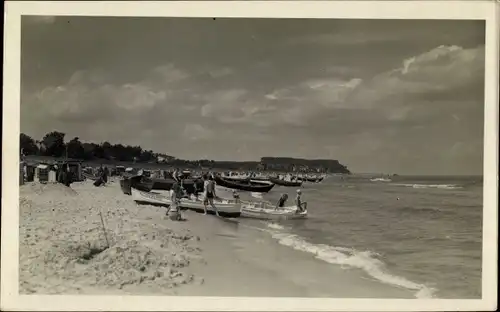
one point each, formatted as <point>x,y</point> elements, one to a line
<point>438,186</point>
<point>381,180</point>
<point>348,257</point>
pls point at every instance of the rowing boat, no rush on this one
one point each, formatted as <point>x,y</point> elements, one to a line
<point>252,186</point>
<point>226,208</point>
<point>286,183</point>
<point>150,198</point>
<point>89,176</point>
<point>266,211</point>
<point>137,182</point>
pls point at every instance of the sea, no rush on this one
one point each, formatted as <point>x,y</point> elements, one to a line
<point>420,233</point>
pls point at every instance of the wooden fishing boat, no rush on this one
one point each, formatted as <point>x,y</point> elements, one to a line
<point>150,198</point>
<point>236,179</point>
<point>314,179</point>
<point>250,186</point>
<point>265,211</point>
<point>226,208</point>
<point>137,182</point>
<point>286,183</point>
<point>148,184</point>
<point>89,176</point>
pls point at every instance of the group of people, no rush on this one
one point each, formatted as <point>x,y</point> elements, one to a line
<point>177,193</point>
<point>209,194</point>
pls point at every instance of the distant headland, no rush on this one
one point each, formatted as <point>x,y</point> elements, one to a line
<point>53,145</point>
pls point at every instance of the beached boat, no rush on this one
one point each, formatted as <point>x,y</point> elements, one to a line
<point>89,176</point>
<point>286,183</point>
<point>244,186</point>
<point>267,211</point>
<point>137,182</point>
<point>226,208</point>
<point>187,184</point>
<point>150,198</point>
<point>147,184</point>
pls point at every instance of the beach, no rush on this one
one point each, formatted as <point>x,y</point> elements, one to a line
<point>63,250</point>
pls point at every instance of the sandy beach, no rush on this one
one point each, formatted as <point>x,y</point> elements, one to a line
<point>63,250</point>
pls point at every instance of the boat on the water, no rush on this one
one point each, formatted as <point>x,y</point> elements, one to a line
<point>310,179</point>
<point>250,186</point>
<point>226,208</point>
<point>285,183</point>
<point>265,211</point>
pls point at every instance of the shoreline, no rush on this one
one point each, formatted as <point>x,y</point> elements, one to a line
<point>151,255</point>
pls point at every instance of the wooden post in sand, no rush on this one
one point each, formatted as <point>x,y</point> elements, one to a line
<point>103,227</point>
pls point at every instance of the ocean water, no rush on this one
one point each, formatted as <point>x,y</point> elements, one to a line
<point>423,234</point>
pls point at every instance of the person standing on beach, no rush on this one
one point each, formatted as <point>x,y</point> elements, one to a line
<point>209,187</point>
<point>175,174</point>
<point>105,174</point>
<point>175,197</point>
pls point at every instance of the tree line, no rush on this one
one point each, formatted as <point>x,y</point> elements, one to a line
<point>54,144</point>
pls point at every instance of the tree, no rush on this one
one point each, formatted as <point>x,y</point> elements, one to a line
<point>54,144</point>
<point>88,150</point>
<point>107,150</point>
<point>75,149</point>
<point>28,145</point>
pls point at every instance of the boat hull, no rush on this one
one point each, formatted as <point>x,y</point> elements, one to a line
<point>226,208</point>
<point>148,184</point>
<point>286,183</point>
<point>229,209</point>
<point>249,187</point>
<point>150,198</point>
<point>268,213</point>
<point>187,184</point>
<point>137,182</point>
<point>89,176</point>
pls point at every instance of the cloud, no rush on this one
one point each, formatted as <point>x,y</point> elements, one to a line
<point>422,86</point>
<point>90,98</point>
<point>330,108</point>
<point>196,132</point>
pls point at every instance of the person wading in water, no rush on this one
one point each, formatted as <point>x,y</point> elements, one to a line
<point>209,194</point>
<point>281,202</point>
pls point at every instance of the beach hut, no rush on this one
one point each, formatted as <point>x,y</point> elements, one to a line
<point>42,173</point>
<point>75,167</point>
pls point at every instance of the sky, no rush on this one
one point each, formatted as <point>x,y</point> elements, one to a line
<point>392,96</point>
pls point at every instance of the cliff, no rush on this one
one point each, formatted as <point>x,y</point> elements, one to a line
<point>299,164</point>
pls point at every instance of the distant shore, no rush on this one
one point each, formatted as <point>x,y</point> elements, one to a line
<point>216,165</point>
